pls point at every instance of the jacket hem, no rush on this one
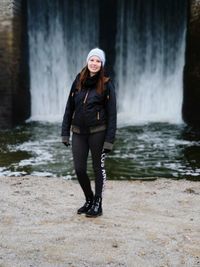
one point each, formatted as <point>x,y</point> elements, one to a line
<point>65,139</point>
<point>92,129</point>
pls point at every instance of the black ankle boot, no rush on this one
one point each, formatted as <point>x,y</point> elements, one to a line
<point>86,206</point>
<point>96,209</point>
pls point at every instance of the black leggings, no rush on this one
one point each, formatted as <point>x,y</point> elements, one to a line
<point>81,144</point>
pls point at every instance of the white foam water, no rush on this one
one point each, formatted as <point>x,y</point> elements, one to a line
<point>60,35</point>
<point>150,58</point>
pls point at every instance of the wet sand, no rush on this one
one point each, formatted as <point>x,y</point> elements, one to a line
<point>145,223</point>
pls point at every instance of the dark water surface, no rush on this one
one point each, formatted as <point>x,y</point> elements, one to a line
<point>152,150</point>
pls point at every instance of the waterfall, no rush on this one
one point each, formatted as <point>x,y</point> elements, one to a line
<point>60,35</point>
<point>149,55</point>
<point>150,51</point>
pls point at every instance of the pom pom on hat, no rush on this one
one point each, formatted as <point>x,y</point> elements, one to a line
<point>97,52</point>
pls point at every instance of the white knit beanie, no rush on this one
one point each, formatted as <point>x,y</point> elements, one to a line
<point>97,52</point>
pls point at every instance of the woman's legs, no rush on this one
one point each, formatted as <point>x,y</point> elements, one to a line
<point>80,149</point>
<point>96,142</point>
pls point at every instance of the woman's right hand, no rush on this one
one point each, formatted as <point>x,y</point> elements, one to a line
<point>65,140</point>
<point>66,144</point>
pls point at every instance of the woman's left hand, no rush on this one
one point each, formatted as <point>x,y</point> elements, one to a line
<point>106,150</point>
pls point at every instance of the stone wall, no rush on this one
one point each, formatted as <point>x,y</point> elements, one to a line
<point>14,93</point>
<point>191,100</point>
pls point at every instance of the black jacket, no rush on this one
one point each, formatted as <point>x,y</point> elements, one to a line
<point>87,112</point>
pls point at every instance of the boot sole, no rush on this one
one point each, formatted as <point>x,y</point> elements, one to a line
<point>83,212</point>
<point>94,216</point>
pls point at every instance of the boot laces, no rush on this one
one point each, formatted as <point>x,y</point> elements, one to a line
<point>87,203</point>
<point>96,204</point>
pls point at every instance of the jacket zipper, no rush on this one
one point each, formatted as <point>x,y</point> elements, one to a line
<point>98,116</point>
<point>86,96</point>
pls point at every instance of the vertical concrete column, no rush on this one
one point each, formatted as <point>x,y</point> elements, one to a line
<point>14,94</point>
<point>6,43</point>
<point>191,100</point>
<point>108,28</point>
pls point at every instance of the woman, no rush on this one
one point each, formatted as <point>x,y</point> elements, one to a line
<point>91,114</point>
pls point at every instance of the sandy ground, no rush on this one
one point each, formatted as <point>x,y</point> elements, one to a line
<point>144,224</point>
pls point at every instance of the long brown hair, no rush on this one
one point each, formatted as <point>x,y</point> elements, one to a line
<point>85,73</point>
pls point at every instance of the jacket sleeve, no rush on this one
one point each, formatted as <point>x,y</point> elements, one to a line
<point>67,118</point>
<point>111,111</point>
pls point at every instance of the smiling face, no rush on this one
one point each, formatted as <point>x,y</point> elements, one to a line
<point>94,65</point>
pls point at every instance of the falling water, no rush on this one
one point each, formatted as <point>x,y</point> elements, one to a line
<point>149,60</point>
<point>150,46</point>
<point>60,35</point>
